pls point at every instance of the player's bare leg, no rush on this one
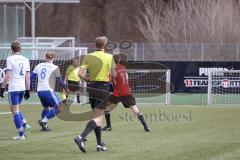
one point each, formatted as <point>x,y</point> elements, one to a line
<point>137,112</point>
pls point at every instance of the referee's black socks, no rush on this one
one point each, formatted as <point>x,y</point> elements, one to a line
<point>98,131</point>
<point>91,125</point>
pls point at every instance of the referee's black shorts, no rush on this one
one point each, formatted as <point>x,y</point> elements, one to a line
<point>98,93</point>
<point>73,86</point>
<point>127,101</point>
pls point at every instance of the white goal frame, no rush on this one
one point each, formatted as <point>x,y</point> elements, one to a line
<point>210,85</point>
<point>50,41</point>
<point>167,99</point>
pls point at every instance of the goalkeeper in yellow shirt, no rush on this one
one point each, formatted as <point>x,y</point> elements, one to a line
<point>72,79</point>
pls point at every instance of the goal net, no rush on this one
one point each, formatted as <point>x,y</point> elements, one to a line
<point>63,57</point>
<point>150,86</point>
<point>224,87</point>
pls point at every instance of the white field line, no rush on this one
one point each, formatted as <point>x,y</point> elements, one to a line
<point>5,113</point>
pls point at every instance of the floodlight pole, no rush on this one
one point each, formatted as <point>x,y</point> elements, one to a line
<point>33,18</point>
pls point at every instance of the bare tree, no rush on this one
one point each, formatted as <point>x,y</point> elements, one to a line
<point>150,20</point>
<point>189,20</point>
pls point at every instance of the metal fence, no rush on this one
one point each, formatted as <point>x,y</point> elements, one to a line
<point>177,51</point>
<point>12,23</point>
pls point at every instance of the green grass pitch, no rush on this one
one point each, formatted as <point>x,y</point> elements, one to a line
<point>195,133</point>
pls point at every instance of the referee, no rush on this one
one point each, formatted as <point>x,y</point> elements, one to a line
<point>99,66</point>
<point>72,79</point>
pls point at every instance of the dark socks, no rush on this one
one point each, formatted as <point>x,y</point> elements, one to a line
<point>89,127</point>
<point>78,99</point>
<point>141,118</point>
<point>98,131</point>
<point>108,118</point>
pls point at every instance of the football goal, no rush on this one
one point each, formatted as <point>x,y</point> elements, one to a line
<point>150,86</point>
<point>224,87</point>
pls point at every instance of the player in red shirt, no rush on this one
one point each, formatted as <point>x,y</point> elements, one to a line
<point>123,93</point>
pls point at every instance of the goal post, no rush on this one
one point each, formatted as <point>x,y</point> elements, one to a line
<point>168,87</point>
<point>150,86</point>
<point>209,88</point>
<point>224,87</point>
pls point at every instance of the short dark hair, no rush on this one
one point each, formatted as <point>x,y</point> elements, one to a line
<point>116,58</point>
<point>101,42</point>
<point>16,46</point>
<point>120,58</point>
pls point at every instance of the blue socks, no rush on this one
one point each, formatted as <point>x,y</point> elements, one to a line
<point>44,112</point>
<point>18,123</point>
<point>52,113</point>
<point>23,119</point>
